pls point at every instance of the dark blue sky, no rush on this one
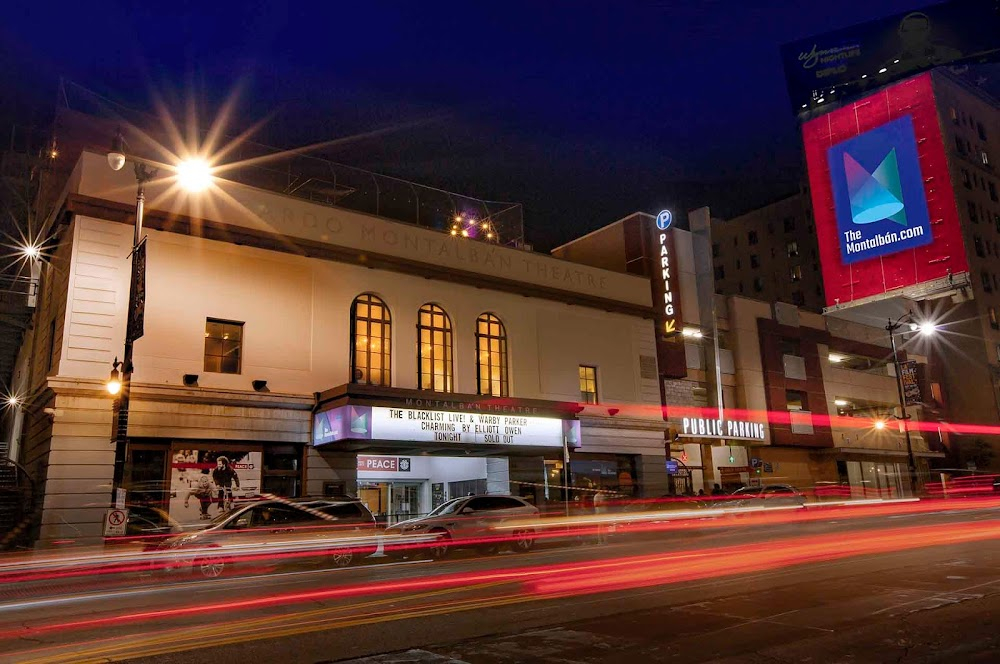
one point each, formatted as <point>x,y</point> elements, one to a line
<point>583,111</point>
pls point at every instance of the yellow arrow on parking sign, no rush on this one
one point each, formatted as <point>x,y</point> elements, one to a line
<point>670,326</point>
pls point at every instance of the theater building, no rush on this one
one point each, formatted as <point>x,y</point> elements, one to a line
<point>323,351</point>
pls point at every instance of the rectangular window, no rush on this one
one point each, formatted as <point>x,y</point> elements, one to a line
<point>588,384</point>
<point>954,115</point>
<point>985,157</point>
<point>977,242</point>
<point>792,249</point>
<point>795,400</point>
<point>720,272</point>
<point>994,321</point>
<point>981,130</point>
<point>798,298</point>
<point>966,179</point>
<point>754,260</point>
<point>715,250</point>
<point>959,145</point>
<point>796,273</point>
<point>973,213</point>
<point>223,346</point>
<point>752,237</point>
<point>789,224</point>
<point>790,346</point>
<point>993,192</point>
<point>987,282</point>
<point>758,284</point>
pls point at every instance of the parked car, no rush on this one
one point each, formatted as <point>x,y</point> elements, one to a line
<point>338,530</point>
<point>147,525</point>
<point>464,522</point>
<point>773,495</point>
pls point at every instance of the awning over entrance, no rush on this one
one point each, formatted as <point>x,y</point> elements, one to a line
<point>369,419</point>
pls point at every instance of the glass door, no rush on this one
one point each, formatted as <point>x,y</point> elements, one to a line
<point>405,501</point>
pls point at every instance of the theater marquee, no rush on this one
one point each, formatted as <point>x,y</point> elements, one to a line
<point>440,426</point>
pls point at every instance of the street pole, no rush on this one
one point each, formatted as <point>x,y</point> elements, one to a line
<point>142,175</point>
<point>891,329</point>
<point>566,477</point>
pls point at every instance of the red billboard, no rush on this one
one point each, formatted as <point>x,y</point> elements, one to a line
<point>885,211</point>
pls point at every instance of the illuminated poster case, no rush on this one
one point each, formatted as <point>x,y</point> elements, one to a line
<point>885,211</point>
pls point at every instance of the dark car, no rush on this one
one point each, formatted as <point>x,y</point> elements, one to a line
<point>339,530</point>
<point>470,521</point>
<point>773,495</point>
<point>147,525</point>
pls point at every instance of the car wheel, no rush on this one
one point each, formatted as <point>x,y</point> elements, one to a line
<point>523,541</point>
<point>439,549</point>
<point>210,568</point>
<point>342,558</point>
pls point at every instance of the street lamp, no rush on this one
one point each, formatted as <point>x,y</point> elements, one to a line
<point>114,384</point>
<point>136,307</point>
<point>926,328</point>
<point>194,175</point>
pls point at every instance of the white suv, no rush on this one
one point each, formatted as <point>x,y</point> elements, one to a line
<point>471,521</point>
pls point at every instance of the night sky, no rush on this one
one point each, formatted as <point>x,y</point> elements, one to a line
<point>582,111</point>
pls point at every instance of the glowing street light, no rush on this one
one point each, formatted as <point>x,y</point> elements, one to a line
<point>13,401</point>
<point>925,328</point>
<point>32,251</point>
<point>879,425</point>
<point>194,175</point>
<point>114,384</point>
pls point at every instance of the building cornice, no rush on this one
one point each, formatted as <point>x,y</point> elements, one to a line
<point>93,388</point>
<point>101,208</point>
<point>630,423</point>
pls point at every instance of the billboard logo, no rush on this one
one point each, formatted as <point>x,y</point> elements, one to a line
<point>878,192</point>
<point>875,196</point>
<point>664,219</point>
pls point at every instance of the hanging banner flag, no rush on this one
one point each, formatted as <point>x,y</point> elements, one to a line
<point>137,294</point>
<point>911,388</point>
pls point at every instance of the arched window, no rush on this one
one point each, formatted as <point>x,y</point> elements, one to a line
<point>491,352</point>
<point>434,368</point>
<point>371,341</point>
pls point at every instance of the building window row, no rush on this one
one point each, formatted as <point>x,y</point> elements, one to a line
<point>961,118</point>
<point>371,348</point>
<point>371,360</point>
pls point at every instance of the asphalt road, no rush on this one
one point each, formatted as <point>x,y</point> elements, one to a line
<point>902,587</point>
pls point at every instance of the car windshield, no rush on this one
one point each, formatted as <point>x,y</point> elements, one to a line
<point>220,518</point>
<point>446,508</point>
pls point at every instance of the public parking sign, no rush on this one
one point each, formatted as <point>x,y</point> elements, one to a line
<point>114,522</point>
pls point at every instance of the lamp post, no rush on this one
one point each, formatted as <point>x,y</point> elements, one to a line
<point>136,306</point>
<point>194,175</point>
<point>923,328</point>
